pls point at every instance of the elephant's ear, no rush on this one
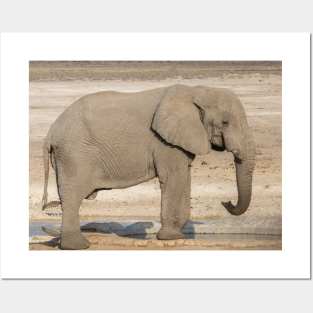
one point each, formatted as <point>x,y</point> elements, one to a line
<point>177,120</point>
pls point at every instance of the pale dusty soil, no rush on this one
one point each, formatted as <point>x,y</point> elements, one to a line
<point>213,242</point>
<point>213,176</point>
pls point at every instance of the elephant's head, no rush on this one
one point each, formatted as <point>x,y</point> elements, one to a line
<point>199,119</point>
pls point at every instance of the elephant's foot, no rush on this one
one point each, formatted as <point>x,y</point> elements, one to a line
<point>166,233</point>
<point>74,241</point>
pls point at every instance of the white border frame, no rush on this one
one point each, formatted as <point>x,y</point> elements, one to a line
<point>17,261</point>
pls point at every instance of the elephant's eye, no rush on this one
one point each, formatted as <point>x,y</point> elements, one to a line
<point>225,123</point>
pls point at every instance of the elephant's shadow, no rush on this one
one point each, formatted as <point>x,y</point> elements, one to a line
<point>137,230</point>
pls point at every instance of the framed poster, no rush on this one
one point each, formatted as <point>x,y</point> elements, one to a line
<point>268,74</point>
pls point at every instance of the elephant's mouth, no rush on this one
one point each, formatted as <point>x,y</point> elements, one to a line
<point>217,147</point>
<point>217,143</point>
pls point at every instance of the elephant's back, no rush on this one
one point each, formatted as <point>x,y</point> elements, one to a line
<point>119,112</point>
<point>108,115</point>
<point>119,101</point>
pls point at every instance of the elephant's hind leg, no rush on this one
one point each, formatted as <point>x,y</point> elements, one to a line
<point>71,236</point>
<point>72,190</point>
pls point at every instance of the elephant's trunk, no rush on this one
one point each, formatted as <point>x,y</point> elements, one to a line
<point>244,172</point>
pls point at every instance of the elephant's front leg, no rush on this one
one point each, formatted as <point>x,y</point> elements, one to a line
<point>175,203</point>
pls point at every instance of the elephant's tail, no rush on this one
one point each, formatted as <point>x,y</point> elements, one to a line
<point>46,156</point>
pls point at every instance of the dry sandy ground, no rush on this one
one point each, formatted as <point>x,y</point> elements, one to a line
<point>210,242</point>
<point>213,176</point>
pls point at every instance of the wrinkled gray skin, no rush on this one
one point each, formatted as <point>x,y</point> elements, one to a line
<point>112,140</point>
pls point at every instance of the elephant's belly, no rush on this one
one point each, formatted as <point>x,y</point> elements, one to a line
<point>122,170</point>
<point>116,183</point>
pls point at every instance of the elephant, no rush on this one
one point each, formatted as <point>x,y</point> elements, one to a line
<point>114,140</point>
